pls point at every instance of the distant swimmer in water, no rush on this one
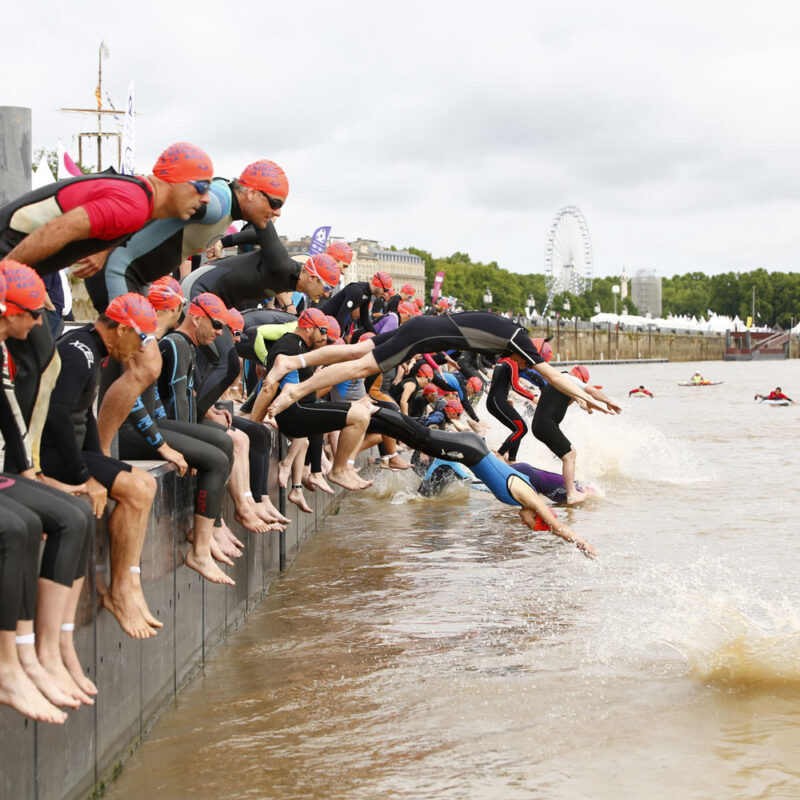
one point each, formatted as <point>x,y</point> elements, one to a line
<point>640,391</point>
<point>698,378</point>
<point>775,394</point>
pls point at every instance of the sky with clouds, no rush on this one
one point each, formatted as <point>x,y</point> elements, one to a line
<point>673,126</point>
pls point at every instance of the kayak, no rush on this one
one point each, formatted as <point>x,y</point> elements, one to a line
<point>703,383</point>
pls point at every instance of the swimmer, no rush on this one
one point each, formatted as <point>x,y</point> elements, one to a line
<point>469,330</point>
<point>640,391</point>
<point>550,410</point>
<point>775,394</point>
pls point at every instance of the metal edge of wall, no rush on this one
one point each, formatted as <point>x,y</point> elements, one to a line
<point>139,680</point>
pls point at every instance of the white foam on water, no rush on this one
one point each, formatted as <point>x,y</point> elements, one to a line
<point>723,622</point>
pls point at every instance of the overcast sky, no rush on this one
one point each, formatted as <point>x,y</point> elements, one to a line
<point>673,126</point>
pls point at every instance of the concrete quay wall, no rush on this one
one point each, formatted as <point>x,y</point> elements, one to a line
<point>137,680</point>
<point>605,342</point>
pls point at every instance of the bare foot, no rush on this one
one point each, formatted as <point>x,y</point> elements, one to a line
<point>42,679</point>
<point>318,482</point>
<point>218,555</point>
<point>152,621</point>
<point>232,537</point>
<point>250,521</point>
<point>577,497</point>
<point>224,542</point>
<point>348,478</point>
<point>296,496</point>
<point>207,568</point>
<point>283,400</point>
<point>127,613</point>
<point>270,507</point>
<point>59,673</point>
<point>395,462</point>
<point>270,519</point>
<point>19,692</point>
<point>73,664</point>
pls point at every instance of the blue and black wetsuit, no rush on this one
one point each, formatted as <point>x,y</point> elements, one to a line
<point>456,382</point>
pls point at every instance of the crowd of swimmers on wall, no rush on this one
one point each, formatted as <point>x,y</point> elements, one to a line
<point>336,366</point>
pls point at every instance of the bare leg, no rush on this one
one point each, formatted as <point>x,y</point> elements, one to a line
<point>67,643</point>
<point>127,526</point>
<point>42,679</point>
<point>295,495</point>
<point>199,558</point>
<point>50,602</point>
<point>573,495</point>
<point>239,484</point>
<point>118,401</point>
<point>393,461</point>
<point>17,690</point>
<point>285,466</point>
<point>343,471</point>
<point>335,373</point>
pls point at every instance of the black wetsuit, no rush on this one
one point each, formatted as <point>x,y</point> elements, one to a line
<point>341,306</point>
<point>305,417</point>
<point>550,410</point>
<point>70,449</point>
<point>456,382</point>
<point>251,276</point>
<point>480,331</point>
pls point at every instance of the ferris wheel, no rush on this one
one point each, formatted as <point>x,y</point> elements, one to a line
<point>568,254</point>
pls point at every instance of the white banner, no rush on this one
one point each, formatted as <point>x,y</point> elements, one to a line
<point>126,164</point>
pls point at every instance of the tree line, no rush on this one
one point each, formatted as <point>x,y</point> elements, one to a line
<point>777,294</point>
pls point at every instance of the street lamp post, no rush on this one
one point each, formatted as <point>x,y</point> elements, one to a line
<point>531,306</point>
<point>487,298</point>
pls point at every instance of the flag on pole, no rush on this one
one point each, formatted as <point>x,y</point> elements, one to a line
<point>67,168</point>
<point>319,241</point>
<point>126,165</point>
<point>437,286</point>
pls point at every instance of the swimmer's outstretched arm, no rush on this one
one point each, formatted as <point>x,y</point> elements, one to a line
<point>568,387</point>
<point>533,504</point>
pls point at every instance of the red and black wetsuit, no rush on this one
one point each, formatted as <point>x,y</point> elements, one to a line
<point>117,206</point>
<point>505,378</point>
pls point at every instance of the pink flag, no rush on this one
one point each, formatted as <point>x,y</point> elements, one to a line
<point>437,285</point>
<point>67,168</point>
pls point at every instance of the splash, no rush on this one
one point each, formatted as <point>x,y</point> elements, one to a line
<point>721,619</point>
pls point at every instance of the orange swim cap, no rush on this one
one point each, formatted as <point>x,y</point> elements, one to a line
<point>426,370</point>
<point>208,305</point>
<point>133,310</point>
<point>407,288</point>
<point>334,331</point>
<point>24,288</point>
<point>265,176</point>
<point>313,318</point>
<point>454,407</point>
<point>322,266</point>
<point>580,372</point>
<point>183,161</point>
<point>383,280</point>
<point>235,320</point>
<point>341,251</point>
<point>407,308</point>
